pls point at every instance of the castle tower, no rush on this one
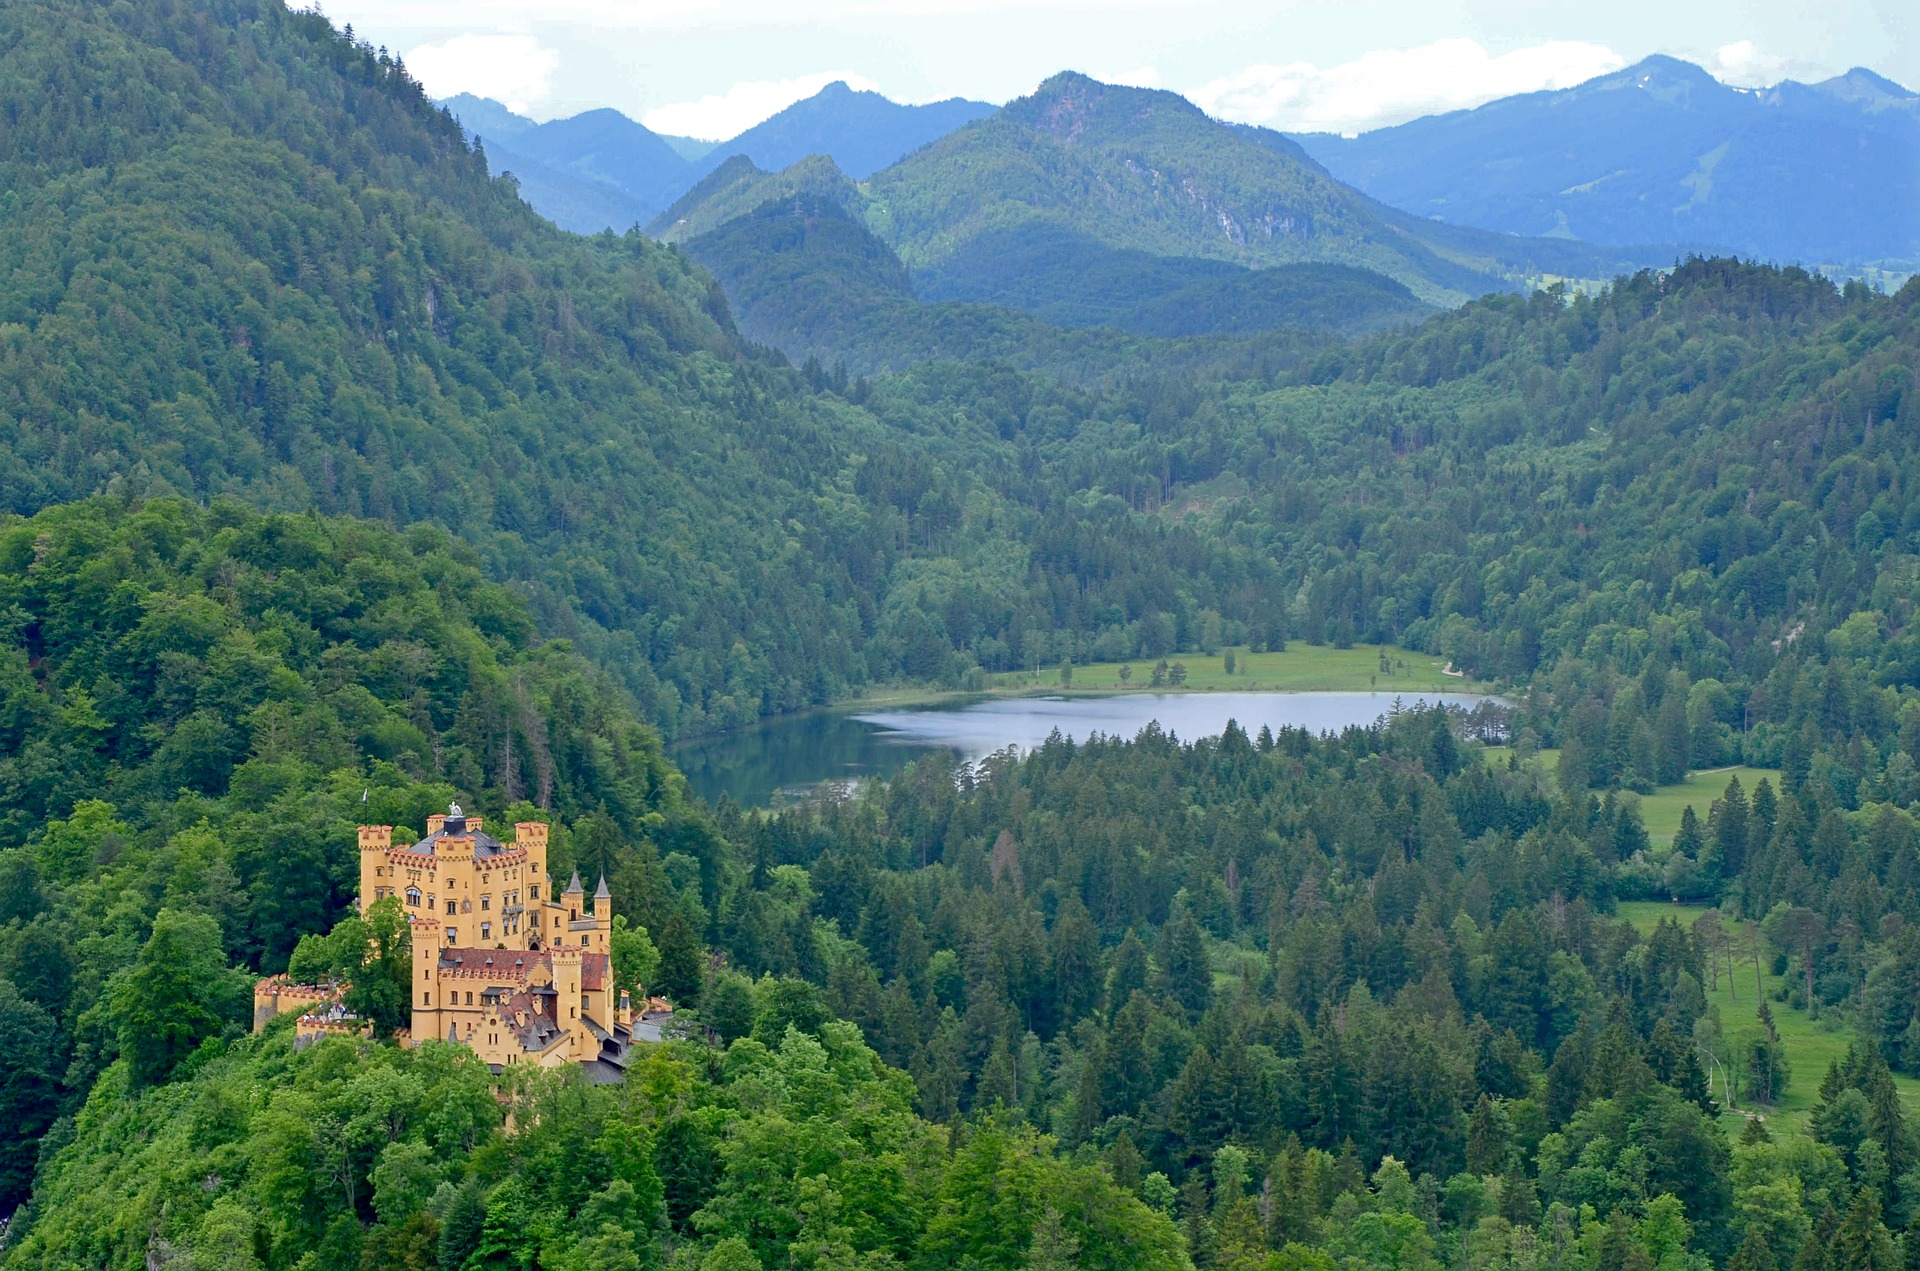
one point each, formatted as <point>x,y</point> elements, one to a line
<point>573,903</point>
<point>602,933</point>
<point>375,842</point>
<point>453,860</point>
<point>566,990</point>
<point>531,838</point>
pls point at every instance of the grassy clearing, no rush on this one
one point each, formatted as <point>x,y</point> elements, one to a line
<point>1300,668</point>
<point>1811,1044</point>
<point>1548,761</point>
<point>1661,810</point>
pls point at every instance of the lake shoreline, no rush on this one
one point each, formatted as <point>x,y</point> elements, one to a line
<point>1325,670</point>
<point>868,739</point>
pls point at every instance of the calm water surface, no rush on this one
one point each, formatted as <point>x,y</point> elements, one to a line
<point>782,759</point>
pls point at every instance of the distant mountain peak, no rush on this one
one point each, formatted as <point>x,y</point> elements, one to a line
<point>487,116</point>
<point>1662,152</point>
<point>1066,104</point>
<point>1663,76</point>
<point>1865,88</point>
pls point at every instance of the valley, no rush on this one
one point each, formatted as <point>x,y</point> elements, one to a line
<point>938,687</point>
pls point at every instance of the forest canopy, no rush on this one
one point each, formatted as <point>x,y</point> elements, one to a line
<point>337,487</point>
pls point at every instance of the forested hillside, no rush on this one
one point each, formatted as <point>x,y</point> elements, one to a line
<point>1363,994</point>
<point>803,275</point>
<point>199,706</point>
<point>244,255</point>
<point>1145,170</point>
<point>339,486</point>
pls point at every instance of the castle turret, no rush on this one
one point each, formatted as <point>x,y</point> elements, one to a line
<point>566,988</point>
<point>531,838</point>
<point>602,918</point>
<point>375,842</point>
<point>453,859</point>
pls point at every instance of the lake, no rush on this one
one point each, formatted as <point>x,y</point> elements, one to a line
<point>782,759</point>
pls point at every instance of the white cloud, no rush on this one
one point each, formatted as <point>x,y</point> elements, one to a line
<point>1744,65</point>
<point>657,15</point>
<point>515,70</point>
<point>1391,86</point>
<point>1140,77</point>
<point>723,116</point>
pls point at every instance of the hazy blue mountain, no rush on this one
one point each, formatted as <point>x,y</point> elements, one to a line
<point>689,148</point>
<point>601,170</point>
<point>486,117</point>
<point>572,199</point>
<point>862,131</point>
<point>607,146</point>
<point>1662,152</point>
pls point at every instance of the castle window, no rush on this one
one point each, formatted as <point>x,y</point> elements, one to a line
<point>432,901</point>
<point>426,999</point>
<point>453,906</point>
<point>486,931</point>
<point>534,891</point>
<point>469,999</point>
<point>453,936</point>
<point>486,902</point>
<point>413,896</point>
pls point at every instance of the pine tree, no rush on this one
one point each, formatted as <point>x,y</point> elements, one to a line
<point>1519,1199</point>
<point>1674,735</point>
<point>1863,1243</point>
<point>1487,1146</point>
<point>682,974</point>
<point>1126,1075</point>
<point>1123,1162</point>
<point>1053,1248</point>
<point>1130,970</point>
<point>1815,1254</point>
<point>1189,974</point>
<point>1752,1255</point>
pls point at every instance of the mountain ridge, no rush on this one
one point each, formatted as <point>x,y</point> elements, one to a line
<point>602,170</point>
<point>1661,151</point>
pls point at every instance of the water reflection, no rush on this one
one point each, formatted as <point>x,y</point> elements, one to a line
<point>782,759</point>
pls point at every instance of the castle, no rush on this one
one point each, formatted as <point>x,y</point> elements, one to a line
<point>532,983</point>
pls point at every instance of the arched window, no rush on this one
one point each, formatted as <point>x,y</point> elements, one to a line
<point>413,896</point>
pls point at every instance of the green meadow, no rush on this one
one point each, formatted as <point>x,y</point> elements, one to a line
<point>1811,1044</point>
<point>1298,668</point>
<point>1661,811</point>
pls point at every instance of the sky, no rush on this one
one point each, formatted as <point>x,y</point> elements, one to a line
<point>712,68</point>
